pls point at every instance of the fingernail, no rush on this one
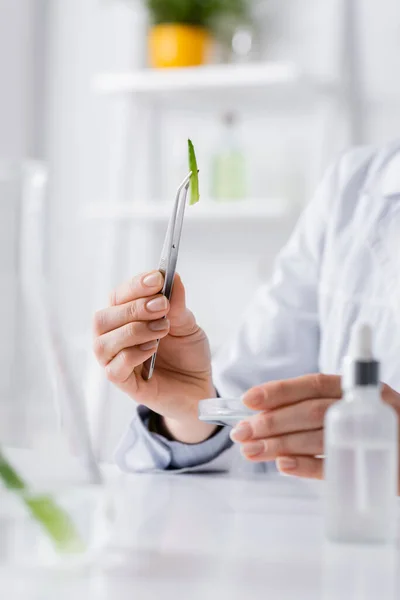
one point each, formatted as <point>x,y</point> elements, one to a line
<point>148,346</point>
<point>286,464</point>
<point>253,448</point>
<point>157,305</point>
<point>153,280</point>
<point>159,325</point>
<point>241,433</point>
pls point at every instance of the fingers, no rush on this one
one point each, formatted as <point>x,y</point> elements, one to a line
<point>306,443</point>
<point>122,367</point>
<point>301,466</point>
<point>282,393</point>
<point>178,298</point>
<point>302,416</point>
<point>107,346</point>
<point>182,319</point>
<point>141,286</point>
<point>143,309</point>
<point>133,301</point>
<point>391,397</point>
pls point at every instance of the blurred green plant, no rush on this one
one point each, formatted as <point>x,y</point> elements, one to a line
<point>54,520</point>
<point>203,13</point>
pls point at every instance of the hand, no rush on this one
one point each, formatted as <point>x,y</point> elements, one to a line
<point>126,335</point>
<point>290,427</point>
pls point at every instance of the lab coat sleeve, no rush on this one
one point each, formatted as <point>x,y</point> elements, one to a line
<point>278,337</point>
<point>142,451</point>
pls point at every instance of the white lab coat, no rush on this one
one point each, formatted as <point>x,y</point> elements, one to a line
<point>342,264</point>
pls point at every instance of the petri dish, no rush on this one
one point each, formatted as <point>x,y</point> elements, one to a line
<point>224,411</point>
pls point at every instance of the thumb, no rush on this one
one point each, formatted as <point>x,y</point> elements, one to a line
<point>181,318</point>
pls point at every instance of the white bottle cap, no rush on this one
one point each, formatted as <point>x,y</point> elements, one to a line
<point>361,342</point>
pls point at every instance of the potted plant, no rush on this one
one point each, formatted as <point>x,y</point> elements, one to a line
<point>181,31</point>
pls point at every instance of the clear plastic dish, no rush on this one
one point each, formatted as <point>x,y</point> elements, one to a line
<point>224,411</point>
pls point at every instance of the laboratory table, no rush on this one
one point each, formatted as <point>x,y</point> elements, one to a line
<point>214,535</point>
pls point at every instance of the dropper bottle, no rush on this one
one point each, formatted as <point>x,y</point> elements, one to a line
<point>361,452</point>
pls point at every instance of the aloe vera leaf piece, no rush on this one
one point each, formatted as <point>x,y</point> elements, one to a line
<point>53,519</point>
<point>194,182</point>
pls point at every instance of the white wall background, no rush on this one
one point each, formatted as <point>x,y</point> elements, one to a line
<point>17,70</point>
<point>22,133</point>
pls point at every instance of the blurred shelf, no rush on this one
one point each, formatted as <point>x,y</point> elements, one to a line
<point>205,211</point>
<point>244,84</point>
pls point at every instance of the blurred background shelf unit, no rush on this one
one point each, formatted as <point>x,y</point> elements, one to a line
<point>257,84</point>
<point>154,113</point>
<point>244,211</point>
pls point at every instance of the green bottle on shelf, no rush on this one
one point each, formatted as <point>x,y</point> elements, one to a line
<point>228,173</point>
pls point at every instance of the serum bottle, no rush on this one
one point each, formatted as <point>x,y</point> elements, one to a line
<point>361,453</point>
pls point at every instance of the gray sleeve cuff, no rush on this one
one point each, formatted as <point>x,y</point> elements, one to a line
<point>141,450</point>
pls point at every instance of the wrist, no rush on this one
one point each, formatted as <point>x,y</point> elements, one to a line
<point>187,430</point>
<point>190,432</point>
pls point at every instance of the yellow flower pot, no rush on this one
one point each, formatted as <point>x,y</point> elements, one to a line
<point>174,45</point>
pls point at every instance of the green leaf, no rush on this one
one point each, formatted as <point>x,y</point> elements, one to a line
<point>53,519</point>
<point>194,182</point>
<point>9,476</point>
<point>202,13</point>
<point>57,524</point>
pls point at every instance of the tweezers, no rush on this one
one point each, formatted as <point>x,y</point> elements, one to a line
<point>169,256</point>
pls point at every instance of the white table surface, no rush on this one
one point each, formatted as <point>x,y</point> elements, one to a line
<point>209,536</point>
